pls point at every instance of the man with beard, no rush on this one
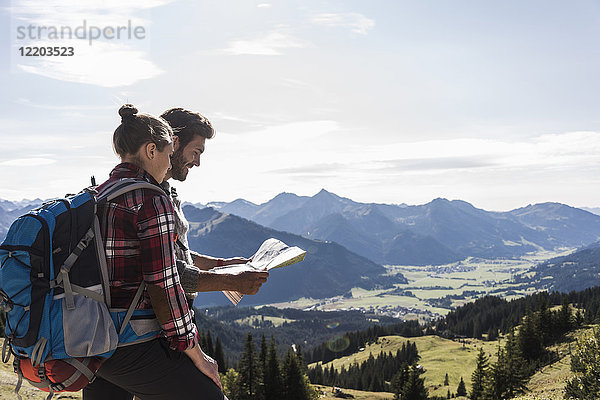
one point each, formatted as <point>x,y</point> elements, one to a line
<point>191,132</point>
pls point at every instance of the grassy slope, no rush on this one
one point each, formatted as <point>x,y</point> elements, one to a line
<point>549,382</point>
<point>438,356</point>
<point>326,393</point>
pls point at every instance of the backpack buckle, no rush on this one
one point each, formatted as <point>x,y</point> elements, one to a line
<point>17,365</point>
<point>6,304</point>
<point>41,373</point>
<point>6,350</point>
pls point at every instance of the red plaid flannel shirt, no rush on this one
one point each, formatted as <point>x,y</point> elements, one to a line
<point>138,230</point>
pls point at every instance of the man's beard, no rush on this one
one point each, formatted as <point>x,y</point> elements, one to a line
<point>179,168</point>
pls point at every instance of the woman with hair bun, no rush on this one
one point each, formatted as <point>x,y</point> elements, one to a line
<point>158,357</point>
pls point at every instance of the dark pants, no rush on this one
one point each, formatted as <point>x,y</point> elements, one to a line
<point>151,371</point>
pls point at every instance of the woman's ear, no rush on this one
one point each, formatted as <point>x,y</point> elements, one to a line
<point>151,150</point>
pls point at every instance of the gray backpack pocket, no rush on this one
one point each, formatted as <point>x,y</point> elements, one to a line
<point>88,328</point>
<point>142,327</point>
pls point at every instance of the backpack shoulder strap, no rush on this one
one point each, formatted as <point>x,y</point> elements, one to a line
<point>126,185</point>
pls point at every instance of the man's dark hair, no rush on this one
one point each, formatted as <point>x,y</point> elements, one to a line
<point>187,124</point>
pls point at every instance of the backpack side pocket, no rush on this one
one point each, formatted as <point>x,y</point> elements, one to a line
<point>88,329</point>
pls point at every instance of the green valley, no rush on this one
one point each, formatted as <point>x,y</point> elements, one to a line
<point>432,291</point>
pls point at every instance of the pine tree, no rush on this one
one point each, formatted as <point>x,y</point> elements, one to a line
<point>565,322</point>
<point>248,371</point>
<point>398,381</point>
<point>496,384</point>
<point>220,356</point>
<point>209,349</point>
<point>515,367</point>
<point>478,378</point>
<point>544,323</point>
<point>272,376</point>
<point>461,390</point>
<point>507,375</point>
<point>477,330</point>
<point>446,381</point>
<point>262,369</point>
<point>294,384</point>
<point>414,388</point>
<point>492,334</point>
<point>530,343</point>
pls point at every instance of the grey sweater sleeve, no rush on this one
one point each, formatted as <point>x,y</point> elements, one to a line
<point>188,276</point>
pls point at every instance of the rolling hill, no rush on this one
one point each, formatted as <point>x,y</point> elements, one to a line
<point>577,271</point>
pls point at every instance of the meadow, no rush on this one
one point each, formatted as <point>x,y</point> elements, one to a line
<point>457,358</point>
<point>432,291</point>
<point>438,357</point>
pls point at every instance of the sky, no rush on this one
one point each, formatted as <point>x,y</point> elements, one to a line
<point>491,102</point>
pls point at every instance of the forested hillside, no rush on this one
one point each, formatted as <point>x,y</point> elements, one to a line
<point>575,271</point>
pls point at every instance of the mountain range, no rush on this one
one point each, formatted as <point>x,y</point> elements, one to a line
<point>347,241</point>
<point>438,232</point>
<point>327,270</point>
<point>11,210</point>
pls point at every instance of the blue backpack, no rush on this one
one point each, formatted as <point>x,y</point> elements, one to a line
<point>55,291</point>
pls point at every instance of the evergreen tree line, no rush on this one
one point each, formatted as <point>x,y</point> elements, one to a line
<point>359,339</point>
<point>370,375</point>
<point>311,328</point>
<point>264,376</point>
<point>492,314</point>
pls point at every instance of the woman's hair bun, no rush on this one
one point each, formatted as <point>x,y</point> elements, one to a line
<point>127,110</point>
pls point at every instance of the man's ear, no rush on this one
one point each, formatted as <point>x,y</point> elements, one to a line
<point>175,142</point>
<point>151,150</point>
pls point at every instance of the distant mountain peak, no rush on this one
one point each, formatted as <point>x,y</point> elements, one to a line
<point>285,195</point>
<point>243,201</point>
<point>216,204</point>
<point>324,192</point>
<point>546,207</point>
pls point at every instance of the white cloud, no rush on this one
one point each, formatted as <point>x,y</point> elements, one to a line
<point>268,44</point>
<point>356,22</point>
<point>102,62</point>
<point>27,162</point>
<point>306,156</point>
<point>72,107</point>
<point>73,12</point>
